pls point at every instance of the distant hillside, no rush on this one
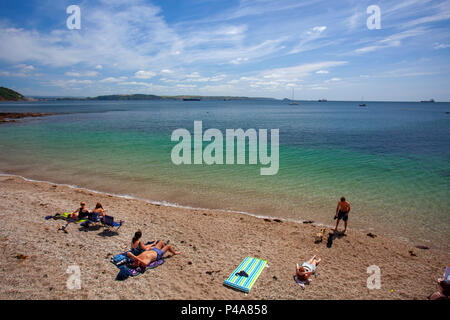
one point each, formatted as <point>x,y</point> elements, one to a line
<point>10,95</point>
<point>155,97</point>
<point>127,97</point>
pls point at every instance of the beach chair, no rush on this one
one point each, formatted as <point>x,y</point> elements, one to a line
<point>244,276</point>
<point>92,218</point>
<point>109,223</point>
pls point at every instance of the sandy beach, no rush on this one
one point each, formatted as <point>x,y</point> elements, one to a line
<point>213,243</point>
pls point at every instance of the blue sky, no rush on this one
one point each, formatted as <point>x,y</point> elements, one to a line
<point>322,49</point>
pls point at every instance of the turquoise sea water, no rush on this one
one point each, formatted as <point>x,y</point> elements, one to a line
<point>391,160</point>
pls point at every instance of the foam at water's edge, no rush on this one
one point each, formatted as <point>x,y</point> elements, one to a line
<point>176,205</point>
<point>161,203</point>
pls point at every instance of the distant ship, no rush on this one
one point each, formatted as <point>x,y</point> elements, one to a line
<point>191,99</point>
<point>362,104</point>
<point>322,100</point>
<point>293,103</point>
<point>428,101</point>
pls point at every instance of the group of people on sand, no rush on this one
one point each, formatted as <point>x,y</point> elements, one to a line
<point>143,255</point>
<point>82,212</point>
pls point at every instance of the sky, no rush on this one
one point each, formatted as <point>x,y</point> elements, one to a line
<point>258,48</point>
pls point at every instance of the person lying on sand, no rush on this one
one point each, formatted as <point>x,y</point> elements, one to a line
<point>444,291</point>
<point>342,211</point>
<point>99,210</point>
<point>80,213</point>
<point>137,247</point>
<point>307,269</point>
<point>155,253</point>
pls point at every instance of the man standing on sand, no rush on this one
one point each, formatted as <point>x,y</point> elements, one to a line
<point>342,210</point>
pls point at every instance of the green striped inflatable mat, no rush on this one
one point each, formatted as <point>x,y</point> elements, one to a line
<point>66,214</point>
<point>253,267</point>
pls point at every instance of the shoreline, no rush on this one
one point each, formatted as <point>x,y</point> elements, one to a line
<point>175,205</point>
<point>180,206</point>
<point>212,242</point>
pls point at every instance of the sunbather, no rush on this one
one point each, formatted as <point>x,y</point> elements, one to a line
<point>137,247</point>
<point>307,269</point>
<point>80,213</point>
<point>155,253</point>
<point>444,291</point>
<point>99,210</point>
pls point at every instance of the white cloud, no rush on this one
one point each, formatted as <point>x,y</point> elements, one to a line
<point>113,79</point>
<point>69,83</point>
<point>309,37</point>
<point>82,74</point>
<point>23,70</point>
<point>438,46</point>
<point>238,60</point>
<point>144,74</point>
<point>135,83</point>
<point>24,67</point>
<point>394,40</point>
<point>300,70</point>
<point>186,86</point>
<point>319,29</point>
<point>442,13</point>
<point>322,72</point>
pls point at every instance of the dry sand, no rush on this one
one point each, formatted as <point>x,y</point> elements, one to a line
<point>213,243</point>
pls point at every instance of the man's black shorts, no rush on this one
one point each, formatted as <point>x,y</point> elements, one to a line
<point>342,215</point>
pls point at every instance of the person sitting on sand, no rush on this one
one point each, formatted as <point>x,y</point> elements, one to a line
<point>137,247</point>
<point>99,210</point>
<point>444,291</point>
<point>342,211</point>
<point>154,254</point>
<point>307,269</point>
<point>80,213</point>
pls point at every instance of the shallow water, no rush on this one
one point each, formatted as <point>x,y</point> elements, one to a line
<point>391,160</point>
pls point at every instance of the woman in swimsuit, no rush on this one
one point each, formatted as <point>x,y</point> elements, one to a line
<point>307,269</point>
<point>99,210</point>
<point>155,253</point>
<point>137,247</point>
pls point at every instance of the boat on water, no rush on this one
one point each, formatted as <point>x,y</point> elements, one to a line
<point>293,103</point>
<point>322,100</point>
<point>428,101</point>
<point>362,104</point>
<point>191,99</point>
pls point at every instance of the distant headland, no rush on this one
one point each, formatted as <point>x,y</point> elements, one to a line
<point>10,95</point>
<point>156,97</point>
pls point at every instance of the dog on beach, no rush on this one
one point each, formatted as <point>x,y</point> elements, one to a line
<point>319,236</point>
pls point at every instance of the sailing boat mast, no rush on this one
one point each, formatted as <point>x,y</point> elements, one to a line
<point>292,100</point>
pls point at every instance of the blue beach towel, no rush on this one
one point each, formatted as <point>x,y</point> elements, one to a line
<point>251,267</point>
